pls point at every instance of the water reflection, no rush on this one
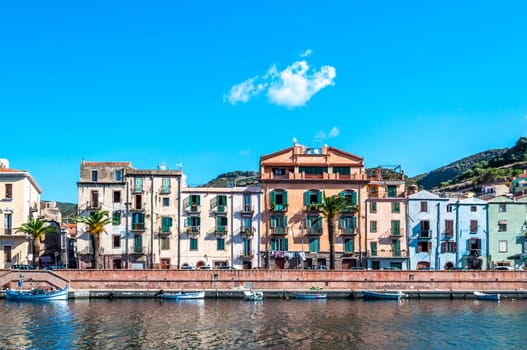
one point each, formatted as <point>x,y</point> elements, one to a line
<point>274,324</point>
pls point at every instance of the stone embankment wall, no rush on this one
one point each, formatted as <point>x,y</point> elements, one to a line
<point>273,279</point>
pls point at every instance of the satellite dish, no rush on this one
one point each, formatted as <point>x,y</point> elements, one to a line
<point>294,140</point>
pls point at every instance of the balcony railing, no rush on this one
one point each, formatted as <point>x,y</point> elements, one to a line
<point>279,230</point>
<point>164,190</point>
<point>348,231</point>
<point>220,209</point>
<point>425,234</point>
<point>313,207</point>
<point>8,231</point>
<point>313,231</point>
<point>93,205</point>
<point>279,207</point>
<point>247,209</point>
<point>138,250</point>
<point>351,208</point>
<point>138,226</point>
<point>395,233</point>
<point>193,230</point>
<point>221,231</point>
<point>193,208</point>
<point>247,231</point>
<point>247,255</point>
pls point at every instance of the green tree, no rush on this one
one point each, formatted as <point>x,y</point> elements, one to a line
<point>331,207</point>
<point>36,229</point>
<point>95,226</point>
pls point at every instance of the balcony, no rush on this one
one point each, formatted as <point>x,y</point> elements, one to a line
<point>348,231</point>
<point>395,233</point>
<point>140,226</point>
<point>221,231</point>
<point>193,209</point>
<point>93,205</point>
<point>351,208</point>
<point>8,231</point>
<point>279,231</point>
<point>220,209</point>
<point>313,231</point>
<point>164,190</point>
<point>278,207</point>
<point>425,234</point>
<point>193,231</point>
<point>247,232</point>
<point>313,207</point>
<point>247,209</point>
<point>247,255</point>
<point>138,250</point>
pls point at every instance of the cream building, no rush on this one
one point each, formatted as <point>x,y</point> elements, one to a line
<point>221,227</point>
<point>19,203</point>
<point>144,206</point>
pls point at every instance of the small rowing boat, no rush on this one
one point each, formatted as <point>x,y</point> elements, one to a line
<point>184,295</point>
<point>37,294</point>
<point>310,295</point>
<point>253,295</point>
<point>372,295</point>
<point>487,296</point>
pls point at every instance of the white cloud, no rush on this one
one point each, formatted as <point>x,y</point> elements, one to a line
<point>306,53</point>
<point>292,87</point>
<point>245,152</point>
<point>334,132</point>
<point>323,135</point>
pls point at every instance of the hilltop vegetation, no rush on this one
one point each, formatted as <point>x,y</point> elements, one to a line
<point>230,179</point>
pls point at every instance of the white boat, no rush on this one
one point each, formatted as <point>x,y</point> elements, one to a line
<point>310,296</point>
<point>487,296</point>
<point>372,295</point>
<point>184,295</point>
<point>37,294</point>
<point>253,295</point>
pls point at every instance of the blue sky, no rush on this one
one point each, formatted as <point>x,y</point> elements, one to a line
<point>213,85</point>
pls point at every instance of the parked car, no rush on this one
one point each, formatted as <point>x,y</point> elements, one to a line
<point>205,267</point>
<point>225,267</point>
<point>22,267</point>
<point>187,267</point>
<point>54,267</point>
<point>504,267</point>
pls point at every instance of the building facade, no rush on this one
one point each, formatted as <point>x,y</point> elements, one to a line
<point>19,203</point>
<point>471,233</point>
<point>294,231</point>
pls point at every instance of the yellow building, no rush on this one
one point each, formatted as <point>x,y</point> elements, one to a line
<point>294,232</point>
<point>19,203</point>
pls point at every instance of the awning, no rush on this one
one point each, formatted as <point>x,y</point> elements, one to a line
<point>518,257</point>
<point>502,222</point>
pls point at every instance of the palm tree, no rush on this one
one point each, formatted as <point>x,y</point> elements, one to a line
<point>95,226</point>
<point>331,207</point>
<point>36,229</point>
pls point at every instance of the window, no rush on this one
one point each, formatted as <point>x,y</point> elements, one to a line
<point>94,175</point>
<point>8,224</point>
<point>373,226</point>
<point>313,170</point>
<point>118,175</point>
<point>449,228</point>
<point>473,226</point>
<point>165,242</point>
<point>138,184</point>
<point>117,196</point>
<point>194,200</point>
<point>138,201</point>
<point>247,225</point>
<point>280,244</point>
<point>342,170</point>
<point>138,243</point>
<point>502,226</point>
<point>138,221</point>
<point>94,199</point>
<point>473,208</point>
<point>373,247</point>
<point>220,244</point>
<point>221,224</point>
<point>313,197</point>
<point>166,201</point>
<point>448,247</point>
<point>246,202</point>
<point>503,246</point>
<point>396,228</point>
<point>396,247</point>
<point>7,254</point>
<point>348,224</point>
<point>349,245</point>
<point>373,207</point>
<point>193,223</point>
<point>314,245</point>
<point>474,246</point>
<point>314,224</point>
<point>424,206</point>
<point>351,195</point>
<point>221,202</point>
<point>193,244</point>
<point>278,171</point>
<point>165,185</point>
<point>116,241</point>
<point>502,208</point>
<point>9,191</point>
<point>424,227</point>
<point>449,208</point>
<point>424,247</point>
<point>116,218</point>
<point>396,207</point>
<point>278,200</point>
<point>166,224</point>
<point>392,191</point>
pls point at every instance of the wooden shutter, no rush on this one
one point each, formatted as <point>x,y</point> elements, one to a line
<point>429,247</point>
<point>443,247</point>
<point>272,197</point>
<point>307,198</point>
<point>319,197</point>
<point>354,198</point>
<point>285,197</point>
<point>286,245</point>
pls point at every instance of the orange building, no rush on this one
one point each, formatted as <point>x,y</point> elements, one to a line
<point>294,231</point>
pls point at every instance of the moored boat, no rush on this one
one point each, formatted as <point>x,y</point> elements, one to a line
<point>487,296</point>
<point>372,295</point>
<point>184,295</point>
<point>310,295</point>
<point>37,294</point>
<point>253,295</point>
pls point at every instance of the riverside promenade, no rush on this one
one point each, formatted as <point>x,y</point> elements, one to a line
<point>274,283</point>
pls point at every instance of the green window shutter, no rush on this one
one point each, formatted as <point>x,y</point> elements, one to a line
<point>342,222</point>
<point>273,244</point>
<point>169,222</point>
<point>273,221</point>
<point>306,198</point>
<point>353,221</point>
<point>142,218</point>
<point>373,246</point>
<point>164,224</point>
<point>116,219</point>
<point>319,197</point>
<point>285,221</point>
<point>198,200</point>
<point>396,245</point>
<point>354,198</point>
<point>285,197</point>
<point>189,221</point>
<point>220,244</point>
<point>349,245</point>
<point>373,206</point>
<point>286,245</point>
<point>308,222</point>
<point>272,197</point>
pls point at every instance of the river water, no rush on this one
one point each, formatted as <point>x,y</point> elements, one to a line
<point>268,324</point>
